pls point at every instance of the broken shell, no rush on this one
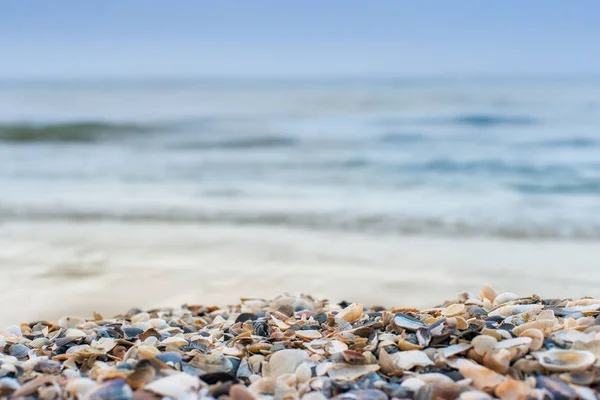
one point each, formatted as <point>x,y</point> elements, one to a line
<point>512,389</point>
<point>409,359</point>
<point>406,345</point>
<point>498,360</point>
<point>407,322</point>
<point>350,372</point>
<point>483,378</point>
<point>175,341</point>
<point>456,349</point>
<point>566,360</point>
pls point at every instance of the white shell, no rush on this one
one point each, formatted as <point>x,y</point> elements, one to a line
<point>566,360</point>
<point>174,386</point>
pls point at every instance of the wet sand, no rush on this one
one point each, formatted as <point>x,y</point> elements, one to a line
<point>50,269</point>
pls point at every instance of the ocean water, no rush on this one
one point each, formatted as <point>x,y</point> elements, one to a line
<point>516,159</point>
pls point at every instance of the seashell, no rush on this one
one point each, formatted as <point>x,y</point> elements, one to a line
<point>351,313</point>
<point>556,388</point>
<point>495,333</point>
<point>8,385</point>
<point>80,386</point>
<point>590,308</point>
<point>350,372</point>
<point>70,322</point>
<point>474,395</point>
<point>147,351</point>
<point>461,323</point>
<point>335,346</point>
<point>177,386</point>
<point>482,344</point>
<point>407,360</point>
<point>512,389</point>
<point>353,357</point>
<point>303,373</point>
<point>175,341</point>
<point>453,310</point>
<point>487,292</point>
<point>170,358</point>
<point>387,364</point>
<point>407,322</point>
<point>212,363</point>
<point>239,392</point>
<point>18,350</point>
<point>545,326</point>
<point>566,360</point>
<point>39,343</point>
<point>75,333</point>
<point>112,389</point>
<point>456,349</point>
<point>406,345</point>
<point>519,341</point>
<point>412,384</point>
<point>284,362</point>
<point>505,298</point>
<point>308,334</point>
<point>158,323</point>
<point>514,309</point>
<point>498,360</point>
<point>314,396</point>
<point>434,377</point>
<point>574,336</point>
<point>265,385</point>
<point>144,372</point>
<point>537,338</point>
<point>482,378</point>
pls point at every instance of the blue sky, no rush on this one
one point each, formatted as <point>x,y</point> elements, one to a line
<point>252,37</point>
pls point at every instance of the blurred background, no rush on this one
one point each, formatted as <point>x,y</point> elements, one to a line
<point>393,152</point>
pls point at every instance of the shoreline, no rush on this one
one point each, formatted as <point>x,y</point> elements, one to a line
<point>68,268</point>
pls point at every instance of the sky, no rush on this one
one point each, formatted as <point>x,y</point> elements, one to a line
<point>180,38</point>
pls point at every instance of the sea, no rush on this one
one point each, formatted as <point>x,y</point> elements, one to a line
<point>507,158</point>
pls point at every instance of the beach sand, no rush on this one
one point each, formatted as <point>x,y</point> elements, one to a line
<point>50,269</point>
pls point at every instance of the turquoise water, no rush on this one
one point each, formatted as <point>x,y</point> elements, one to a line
<point>502,158</point>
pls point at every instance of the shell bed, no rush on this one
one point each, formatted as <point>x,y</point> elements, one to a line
<point>476,347</point>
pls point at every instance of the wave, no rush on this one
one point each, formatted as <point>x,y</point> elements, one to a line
<point>490,167</point>
<point>582,187</point>
<point>77,131</point>
<point>576,142</point>
<point>401,138</point>
<point>490,120</point>
<point>366,224</point>
<point>240,143</point>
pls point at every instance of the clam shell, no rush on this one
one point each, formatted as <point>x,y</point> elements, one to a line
<point>482,378</point>
<point>175,341</point>
<point>211,363</point>
<point>482,344</point>
<point>566,360</point>
<point>487,292</point>
<point>176,386</point>
<point>545,326</point>
<point>351,313</point>
<point>39,343</point>
<point>18,350</point>
<point>309,334</point>
<point>284,362</point>
<point>453,310</point>
<point>512,389</point>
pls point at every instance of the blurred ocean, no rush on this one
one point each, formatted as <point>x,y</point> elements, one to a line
<point>496,158</point>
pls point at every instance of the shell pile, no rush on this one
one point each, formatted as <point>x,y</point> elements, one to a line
<point>476,347</point>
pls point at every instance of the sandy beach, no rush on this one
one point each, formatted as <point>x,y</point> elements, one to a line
<point>50,269</point>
